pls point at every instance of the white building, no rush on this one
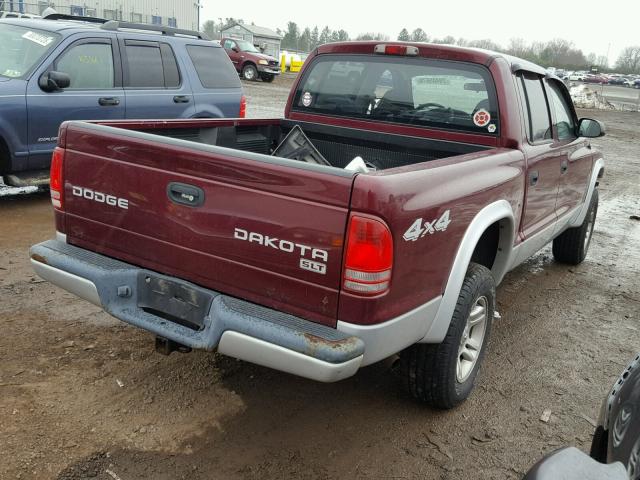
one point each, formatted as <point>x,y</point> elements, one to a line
<point>175,13</point>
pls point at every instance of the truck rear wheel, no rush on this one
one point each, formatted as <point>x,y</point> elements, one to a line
<point>443,375</point>
<point>572,245</point>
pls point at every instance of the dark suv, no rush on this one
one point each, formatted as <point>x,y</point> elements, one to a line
<point>64,68</point>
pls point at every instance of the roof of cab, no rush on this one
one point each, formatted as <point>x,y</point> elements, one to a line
<point>433,50</point>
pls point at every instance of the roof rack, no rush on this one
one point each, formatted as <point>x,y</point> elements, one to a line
<point>116,25</point>
<point>62,16</point>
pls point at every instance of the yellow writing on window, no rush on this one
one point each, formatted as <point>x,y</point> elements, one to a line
<point>92,59</point>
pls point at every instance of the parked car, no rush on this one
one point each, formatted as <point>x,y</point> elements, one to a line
<point>615,448</point>
<point>249,61</point>
<point>617,80</point>
<point>577,76</point>
<point>367,222</point>
<point>635,83</point>
<point>58,69</point>
<point>599,79</point>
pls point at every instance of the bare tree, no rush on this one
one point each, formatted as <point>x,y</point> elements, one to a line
<point>373,36</point>
<point>419,35</point>
<point>403,36</point>
<point>629,60</point>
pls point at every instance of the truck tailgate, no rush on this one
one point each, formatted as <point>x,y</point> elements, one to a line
<point>264,229</point>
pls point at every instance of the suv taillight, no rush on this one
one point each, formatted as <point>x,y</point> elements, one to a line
<point>56,179</point>
<point>369,256</point>
<point>243,107</point>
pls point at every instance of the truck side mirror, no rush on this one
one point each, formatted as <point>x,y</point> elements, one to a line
<point>590,128</point>
<point>54,81</point>
<point>235,49</point>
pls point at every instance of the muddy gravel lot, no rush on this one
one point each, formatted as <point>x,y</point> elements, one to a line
<point>85,396</point>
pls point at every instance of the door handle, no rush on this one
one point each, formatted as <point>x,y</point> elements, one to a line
<point>184,194</point>
<point>533,178</point>
<point>564,166</point>
<point>181,99</point>
<point>109,101</point>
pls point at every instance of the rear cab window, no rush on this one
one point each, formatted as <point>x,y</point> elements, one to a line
<point>536,108</point>
<point>213,67</point>
<point>414,91</point>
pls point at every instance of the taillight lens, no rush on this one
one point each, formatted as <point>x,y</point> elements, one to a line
<point>369,256</point>
<point>56,179</point>
<point>243,107</point>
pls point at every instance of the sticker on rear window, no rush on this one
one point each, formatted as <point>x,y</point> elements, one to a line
<point>491,128</point>
<point>307,99</point>
<point>42,40</point>
<point>481,118</point>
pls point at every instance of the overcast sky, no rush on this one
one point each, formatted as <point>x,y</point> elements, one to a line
<point>592,26</point>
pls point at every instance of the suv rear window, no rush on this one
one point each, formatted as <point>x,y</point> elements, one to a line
<point>213,67</point>
<point>416,91</point>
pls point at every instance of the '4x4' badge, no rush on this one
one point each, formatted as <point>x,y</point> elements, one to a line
<point>421,228</point>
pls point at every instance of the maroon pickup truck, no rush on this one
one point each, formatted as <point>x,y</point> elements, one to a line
<point>376,218</point>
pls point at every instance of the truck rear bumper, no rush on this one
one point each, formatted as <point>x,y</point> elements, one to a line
<point>200,318</point>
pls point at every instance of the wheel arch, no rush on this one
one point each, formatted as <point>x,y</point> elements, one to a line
<point>493,227</point>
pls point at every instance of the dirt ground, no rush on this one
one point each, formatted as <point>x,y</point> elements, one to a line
<point>85,396</point>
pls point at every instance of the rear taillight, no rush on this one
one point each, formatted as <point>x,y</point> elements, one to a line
<point>56,178</point>
<point>369,256</point>
<point>243,107</point>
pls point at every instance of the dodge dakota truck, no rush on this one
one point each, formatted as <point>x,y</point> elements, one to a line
<point>375,219</point>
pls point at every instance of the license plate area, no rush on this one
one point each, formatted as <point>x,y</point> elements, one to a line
<point>172,300</point>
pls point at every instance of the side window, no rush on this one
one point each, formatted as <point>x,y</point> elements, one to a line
<point>229,44</point>
<point>89,65</point>
<point>144,66</point>
<point>213,67</point>
<point>565,122</point>
<point>151,65</point>
<point>538,110</point>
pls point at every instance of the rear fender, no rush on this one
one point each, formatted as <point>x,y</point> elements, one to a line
<point>499,211</point>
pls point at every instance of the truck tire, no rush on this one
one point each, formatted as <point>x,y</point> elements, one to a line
<point>571,246</point>
<point>267,77</point>
<point>443,375</point>
<point>250,72</point>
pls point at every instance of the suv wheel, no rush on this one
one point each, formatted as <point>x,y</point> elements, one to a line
<point>267,77</point>
<point>572,245</point>
<point>249,72</point>
<point>443,375</point>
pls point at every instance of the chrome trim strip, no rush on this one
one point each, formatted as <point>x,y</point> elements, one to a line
<point>79,286</point>
<point>250,349</point>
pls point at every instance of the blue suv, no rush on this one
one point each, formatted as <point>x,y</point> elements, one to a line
<point>69,68</point>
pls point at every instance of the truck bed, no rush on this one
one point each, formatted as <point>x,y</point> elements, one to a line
<point>338,145</point>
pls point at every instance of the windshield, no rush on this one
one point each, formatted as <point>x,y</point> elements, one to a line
<point>246,46</point>
<point>416,91</point>
<point>22,48</point>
